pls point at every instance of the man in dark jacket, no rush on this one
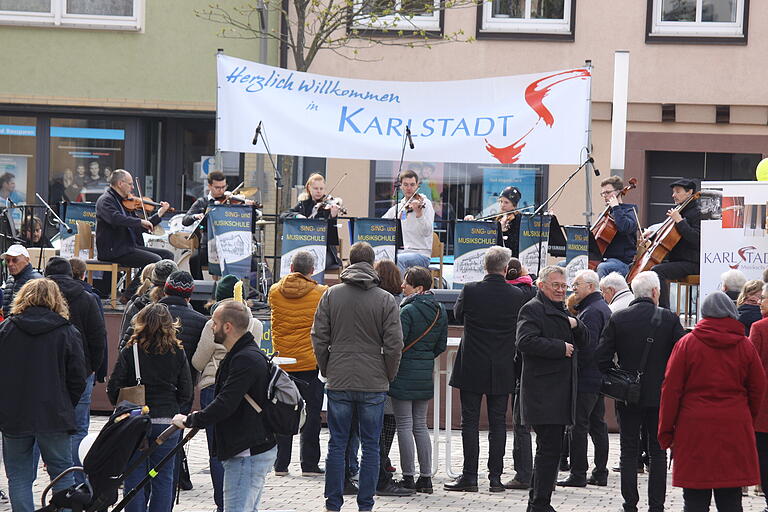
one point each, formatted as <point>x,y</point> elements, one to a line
<point>119,231</point>
<point>78,274</point>
<point>20,270</point>
<point>42,375</point>
<point>683,259</point>
<point>358,342</point>
<point>243,442</point>
<point>84,314</point>
<point>548,339</point>
<point>626,335</point>
<point>485,366</point>
<point>590,405</point>
<point>621,251</point>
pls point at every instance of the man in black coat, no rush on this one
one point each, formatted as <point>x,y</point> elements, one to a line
<point>548,339</point>
<point>590,405</point>
<point>626,336</point>
<point>485,366</point>
<point>243,442</point>
<point>119,230</point>
<point>20,271</point>
<point>84,313</point>
<point>683,259</point>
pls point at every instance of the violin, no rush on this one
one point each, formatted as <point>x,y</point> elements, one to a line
<point>416,201</point>
<point>604,229</point>
<point>133,203</point>
<point>231,198</point>
<point>325,203</point>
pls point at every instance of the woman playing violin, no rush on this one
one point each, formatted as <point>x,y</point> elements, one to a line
<point>315,204</point>
<point>622,249</point>
<point>509,220</point>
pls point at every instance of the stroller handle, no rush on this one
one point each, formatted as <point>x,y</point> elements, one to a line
<point>165,434</point>
<point>62,475</point>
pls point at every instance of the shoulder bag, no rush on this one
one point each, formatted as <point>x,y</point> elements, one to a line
<point>411,344</point>
<point>625,385</point>
<point>134,394</point>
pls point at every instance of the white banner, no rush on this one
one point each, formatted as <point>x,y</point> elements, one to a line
<point>733,231</point>
<point>523,119</point>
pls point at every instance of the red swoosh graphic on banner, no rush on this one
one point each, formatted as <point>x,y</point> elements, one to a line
<point>534,96</point>
<point>741,253</point>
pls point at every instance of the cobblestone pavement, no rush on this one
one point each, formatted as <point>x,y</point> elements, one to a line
<point>305,494</point>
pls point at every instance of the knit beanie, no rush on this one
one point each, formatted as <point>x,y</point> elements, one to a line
<point>225,287</point>
<point>163,269</point>
<point>718,305</point>
<point>180,284</point>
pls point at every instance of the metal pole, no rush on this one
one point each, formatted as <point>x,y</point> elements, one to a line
<point>590,167</point>
<point>217,153</point>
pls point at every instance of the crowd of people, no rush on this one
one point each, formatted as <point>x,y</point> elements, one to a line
<point>369,345</point>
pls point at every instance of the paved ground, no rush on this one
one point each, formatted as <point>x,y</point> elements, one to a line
<point>302,494</point>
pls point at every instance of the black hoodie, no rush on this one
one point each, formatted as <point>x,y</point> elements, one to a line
<point>84,314</point>
<point>42,373</point>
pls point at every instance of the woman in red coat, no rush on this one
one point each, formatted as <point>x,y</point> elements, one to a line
<point>712,391</point>
<point>758,335</point>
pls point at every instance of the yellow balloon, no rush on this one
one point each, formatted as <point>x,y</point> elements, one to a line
<point>762,170</point>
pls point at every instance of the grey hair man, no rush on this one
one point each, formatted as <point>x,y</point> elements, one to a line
<point>616,291</point>
<point>625,336</point>
<point>731,282</point>
<point>547,338</point>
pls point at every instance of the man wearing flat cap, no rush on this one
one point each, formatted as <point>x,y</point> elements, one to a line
<point>683,259</point>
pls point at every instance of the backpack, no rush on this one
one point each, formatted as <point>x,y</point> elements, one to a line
<point>284,411</point>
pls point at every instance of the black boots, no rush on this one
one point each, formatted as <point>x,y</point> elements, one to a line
<point>463,483</point>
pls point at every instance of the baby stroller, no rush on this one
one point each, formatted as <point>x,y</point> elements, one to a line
<point>107,463</point>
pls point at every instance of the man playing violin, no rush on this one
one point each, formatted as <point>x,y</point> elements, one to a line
<point>417,216</point>
<point>622,249</point>
<point>119,230</point>
<point>217,194</point>
<point>509,224</point>
<point>683,259</point>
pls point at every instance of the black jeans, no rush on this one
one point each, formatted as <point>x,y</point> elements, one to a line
<point>197,261</point>
<point>312,393</point>
<point>672,270</point>
<point>549,439</point>
<point>590,419</point>
<point>762,457</point>
<point>139,258</point>
<point>470,431</point>
<point>727,499</point>
<point>522,452</point>
<point>630,420</point>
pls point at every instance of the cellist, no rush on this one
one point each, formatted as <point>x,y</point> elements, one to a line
<point>683,259</point>
<point>622,249</point>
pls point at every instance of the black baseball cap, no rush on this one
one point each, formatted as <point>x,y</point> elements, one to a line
<point>686,184</point>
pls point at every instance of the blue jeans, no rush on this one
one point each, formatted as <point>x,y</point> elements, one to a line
<point>244,479</point>
<point>56,450</point>
<point>160,488</point>
<point>411,259</point>
<point>82,421</point>
<point>217,470</point>
<point>370,416</point>
<point>612,265</point>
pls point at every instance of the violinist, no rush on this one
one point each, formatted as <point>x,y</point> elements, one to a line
<point>509,224</point>
<point>119,230</point>
<point>217,194</point>
<point>683,259</point>
<point>315,204</point>
<point>417,216</point>
<point>622,249</point>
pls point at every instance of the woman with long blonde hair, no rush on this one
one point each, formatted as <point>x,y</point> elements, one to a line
<point>164,372</point>
<point>42,373</point>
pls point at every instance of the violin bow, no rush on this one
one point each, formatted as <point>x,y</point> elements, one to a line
<point>337,183</point>
<point>143,208</point>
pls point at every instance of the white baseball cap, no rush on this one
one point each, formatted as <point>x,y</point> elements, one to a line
<point>16,250</point>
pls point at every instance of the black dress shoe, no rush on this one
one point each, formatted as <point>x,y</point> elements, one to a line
<point>463,483</point>
<point>572,482</point>
<point>597,481</point>
<point>516,484</point>
<point>393,488</point>
<point>424,485</point>
<point>496,485</point>
<point>350,488</point>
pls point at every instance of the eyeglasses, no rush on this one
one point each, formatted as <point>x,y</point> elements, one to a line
<point>558,286</point>
<point>607,193</point>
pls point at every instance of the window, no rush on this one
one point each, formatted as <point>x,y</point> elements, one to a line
<point>397,15</point>
<point>97,14</point>
<point>544,17</point>
<point>17,163</point>
<point>710,19</point>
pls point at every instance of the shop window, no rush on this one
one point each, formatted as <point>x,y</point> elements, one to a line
<point>18,137</point>
<point>706,20</point>
<point>543,17</point>
<point>398,15</point>
<point>105,14</point>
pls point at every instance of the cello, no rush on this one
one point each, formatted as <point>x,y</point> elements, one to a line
<point>664,240</point>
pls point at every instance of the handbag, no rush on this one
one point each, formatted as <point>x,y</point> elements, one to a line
<point>134,394</point>
<point>411,344</point>
<point>625,385</point>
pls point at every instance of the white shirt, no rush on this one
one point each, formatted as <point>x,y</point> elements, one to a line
<point>417,232</point>
<point>621,300</point>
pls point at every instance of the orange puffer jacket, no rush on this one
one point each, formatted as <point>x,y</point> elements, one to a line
<point>294,300</point>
